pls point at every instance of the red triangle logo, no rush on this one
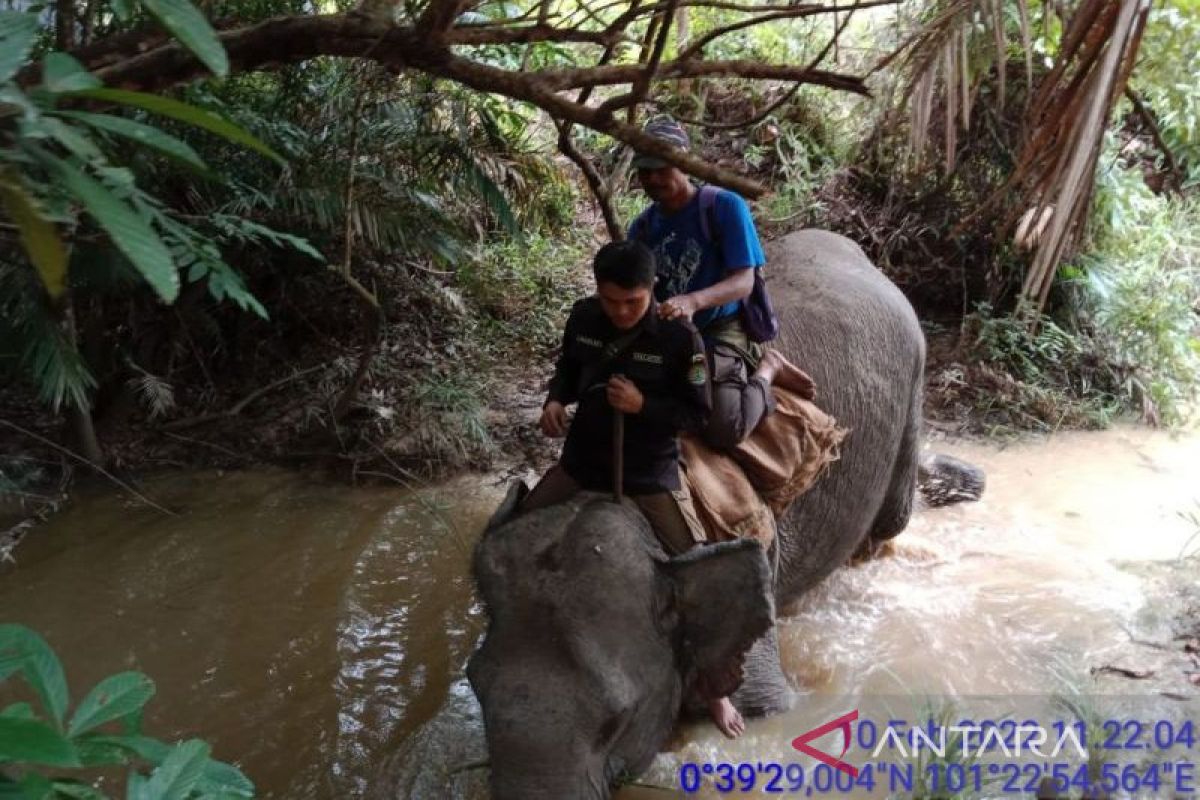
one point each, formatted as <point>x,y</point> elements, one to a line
<point>801,743</point>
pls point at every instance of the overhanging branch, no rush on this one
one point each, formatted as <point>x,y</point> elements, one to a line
<point>149,62</point>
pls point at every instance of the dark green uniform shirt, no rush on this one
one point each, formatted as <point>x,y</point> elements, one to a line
<point>665,361</point>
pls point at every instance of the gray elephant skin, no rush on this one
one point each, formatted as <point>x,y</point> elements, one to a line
<point>594,633</point>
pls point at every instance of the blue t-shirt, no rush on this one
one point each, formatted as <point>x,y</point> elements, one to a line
<point>689,262</point>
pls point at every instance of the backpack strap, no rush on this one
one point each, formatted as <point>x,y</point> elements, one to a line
<point>608,354</point>
<point>708,215</point>
<point>642,222</point>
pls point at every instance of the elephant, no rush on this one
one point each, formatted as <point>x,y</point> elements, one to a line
<point>594,632</point>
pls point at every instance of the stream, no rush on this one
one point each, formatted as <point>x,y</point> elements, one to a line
<point>316,634</point>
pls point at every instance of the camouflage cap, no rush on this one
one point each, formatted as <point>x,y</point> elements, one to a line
<point>668,130</point>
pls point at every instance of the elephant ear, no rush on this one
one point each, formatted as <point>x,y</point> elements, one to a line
<point>722,596</point>
<point>517,490</point>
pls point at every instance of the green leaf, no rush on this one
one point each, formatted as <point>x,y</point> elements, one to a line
<point>96,753</point>
<point>114,697</point>
<point>17,34</point>
<point>18,711</point>
<point>221,779</point>
<point>142,133</point>
<point>9,664</point>
<point>137,787</point>
<point>39,665</point>
<point>77,143</point>
<point>31,741</point>
<point>183,112</point>
<point>62,73</point>
<point>132,234</point>
<point>145,748</point>
<point>131,724</point>
<point>175,777</point>
<point>36,787</point>
<point>45,249</point>
<point>193,31</point>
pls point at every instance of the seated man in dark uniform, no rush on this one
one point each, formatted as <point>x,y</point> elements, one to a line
<point>618,355</point>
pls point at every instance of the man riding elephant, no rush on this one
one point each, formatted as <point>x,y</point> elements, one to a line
<point>707,249</point>
<point>618,357</point>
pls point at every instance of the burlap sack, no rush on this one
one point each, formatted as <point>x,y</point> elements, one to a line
<point>739,494</point>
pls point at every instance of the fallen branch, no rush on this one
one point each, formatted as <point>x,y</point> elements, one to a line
<point>91,464</point>
<point>1151,123</point>
<point>238,407</point>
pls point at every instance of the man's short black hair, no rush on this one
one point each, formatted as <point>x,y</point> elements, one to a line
<point>629,265</point>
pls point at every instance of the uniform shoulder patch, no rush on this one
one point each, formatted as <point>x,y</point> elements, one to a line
<point>698,372</point>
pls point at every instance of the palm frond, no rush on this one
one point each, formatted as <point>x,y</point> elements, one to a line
<point>47,356</point>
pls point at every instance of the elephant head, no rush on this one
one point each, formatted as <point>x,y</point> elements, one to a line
<point>593,636</point>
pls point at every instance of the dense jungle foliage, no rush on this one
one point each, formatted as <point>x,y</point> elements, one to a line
<point>226,239</point>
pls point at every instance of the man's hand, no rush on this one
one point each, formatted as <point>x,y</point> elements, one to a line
<point>554,420</point>
<point>623,395</point>
<point>679,307</point>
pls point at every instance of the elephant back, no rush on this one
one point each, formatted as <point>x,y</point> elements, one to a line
<point>855,333</point>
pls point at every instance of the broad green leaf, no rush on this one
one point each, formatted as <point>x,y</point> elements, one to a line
<point>97,753</point>
<point>62,73</point>
<point>31,741</point>
<point>142,133</point>
<point>10,95</point>
<point>131,724</point>
<point>17,34</point>
<point>40,240</point>
<point>78,791</point>
<point>145,748</point>
<point>219,778</point>
<point>40,667</point>
<point>175,777</point>
<point>9,665</point>
<point>36,786</point>
<point>75,141</point>
<point>137,787</point>
<point>132,234</point>
<point>184,113</point>
<point>114,697</point>
<point>18,711</point>
<point>192,30</point>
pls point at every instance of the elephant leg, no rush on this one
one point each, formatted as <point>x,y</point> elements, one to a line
<point>897,505</point>
<point>765,689</point>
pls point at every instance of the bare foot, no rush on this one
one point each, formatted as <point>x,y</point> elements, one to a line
<point>726,717</point>
<point>782,373</point>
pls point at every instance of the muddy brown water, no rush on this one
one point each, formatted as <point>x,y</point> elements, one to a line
<point>316,634</point>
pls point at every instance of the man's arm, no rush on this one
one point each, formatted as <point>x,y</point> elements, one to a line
<point>736,285</point>
<point>741,251</point>
<point>564,385</point>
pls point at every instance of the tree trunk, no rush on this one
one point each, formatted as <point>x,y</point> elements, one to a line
<point>82,427</point>
<point>64,33</point>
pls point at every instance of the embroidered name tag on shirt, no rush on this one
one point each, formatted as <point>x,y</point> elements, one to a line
<point>649,358</point>
<point>589,340</point>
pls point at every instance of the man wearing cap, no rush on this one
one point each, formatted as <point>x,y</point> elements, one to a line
<point>704,278</point>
